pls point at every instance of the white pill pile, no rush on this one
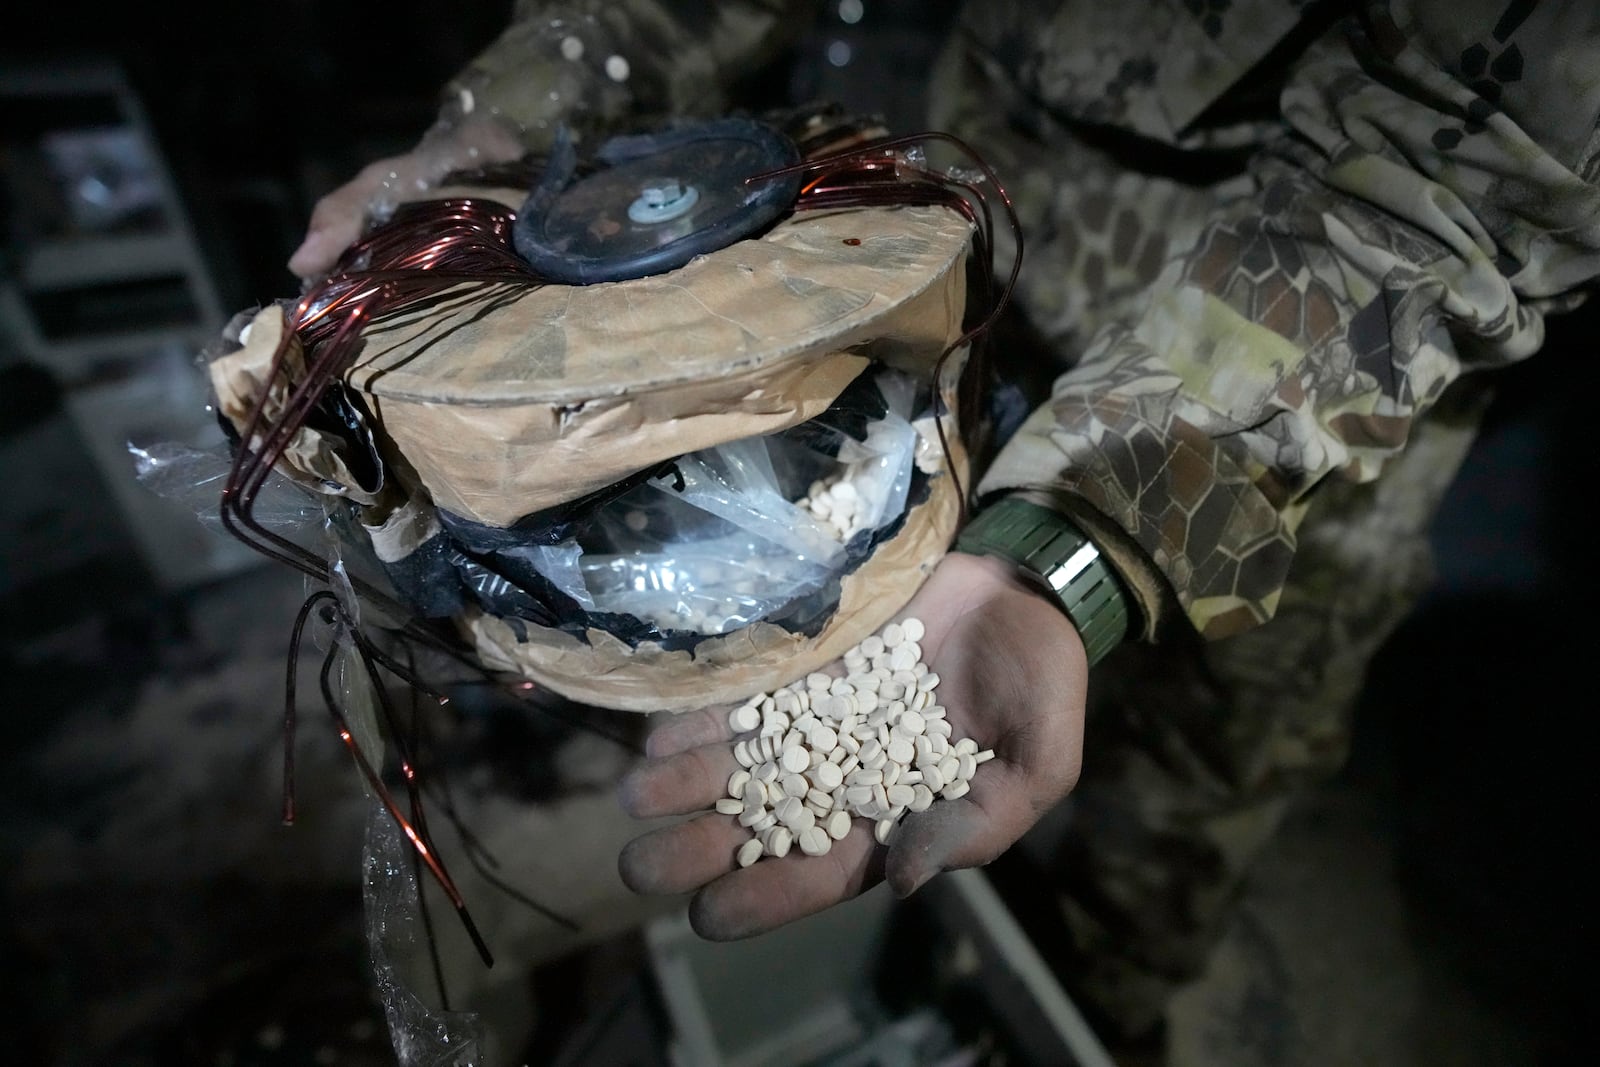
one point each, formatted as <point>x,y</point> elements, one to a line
<point>836,504</point>
<point>873,744</point>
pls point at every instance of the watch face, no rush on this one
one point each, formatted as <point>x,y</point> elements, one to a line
<point>657,202</point>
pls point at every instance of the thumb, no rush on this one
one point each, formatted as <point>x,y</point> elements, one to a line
<point>969,831</point>
<point>321,249</point>
<point>950,834</point>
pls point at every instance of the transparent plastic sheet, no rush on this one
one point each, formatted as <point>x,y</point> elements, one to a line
<point>879,464</point>
<point>357,700</point>
<point>697,546</point>
<point>194,477</point>
<point>559,563</point>
<point>723,540</point>
<point>709,548</point>
<point>422,1036</point>
<point>396,933</point>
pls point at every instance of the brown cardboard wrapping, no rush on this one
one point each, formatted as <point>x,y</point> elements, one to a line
<point>497,402</point>
<point>510,401</point>
<point>506,403</point>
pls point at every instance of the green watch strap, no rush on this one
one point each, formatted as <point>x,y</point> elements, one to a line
<point>1047,544</point>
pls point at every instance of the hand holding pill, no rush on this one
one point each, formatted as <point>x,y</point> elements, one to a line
<point>948,735</point>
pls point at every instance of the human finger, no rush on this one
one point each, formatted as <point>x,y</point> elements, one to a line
<point>683,857</point>
<point>322,247</point>
<point>689,729</point>
<point>967,832</point>
<point>778,890</point>
<point>335,224</point>
<point>338,217</point>
<point>678,784</point>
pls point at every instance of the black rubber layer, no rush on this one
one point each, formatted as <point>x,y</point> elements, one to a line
<point>579,231</point>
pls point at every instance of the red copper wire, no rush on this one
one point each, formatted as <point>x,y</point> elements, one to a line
<point>427,249</point>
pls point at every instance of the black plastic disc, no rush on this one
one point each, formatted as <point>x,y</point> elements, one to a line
<point>657,201</point>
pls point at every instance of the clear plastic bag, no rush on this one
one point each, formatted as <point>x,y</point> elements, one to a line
<point>714,546</point>
<point>877,470</point>
<point>423,1036</point>
<point>194,477</point>
<point>734,534</point>
<point>559,563</point>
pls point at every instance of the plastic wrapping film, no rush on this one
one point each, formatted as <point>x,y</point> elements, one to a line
<point>334,452</point>
<point>193,478</point>
<point>721,551</point>
<point>395,934</point>
<point>767,552</point>
<point>422,1035</point>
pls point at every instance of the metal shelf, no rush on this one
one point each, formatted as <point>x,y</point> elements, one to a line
<point>115,314</point>
<point>68,262</point>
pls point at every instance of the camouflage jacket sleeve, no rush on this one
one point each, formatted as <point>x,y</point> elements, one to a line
<point>595,64</point>
<point>1434,195</point>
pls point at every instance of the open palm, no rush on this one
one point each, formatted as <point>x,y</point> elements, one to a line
<point>1012,677</point>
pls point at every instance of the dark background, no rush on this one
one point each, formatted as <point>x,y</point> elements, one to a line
<point>261,107</point>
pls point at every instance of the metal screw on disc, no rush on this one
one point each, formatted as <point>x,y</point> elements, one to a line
<point>663,203</point>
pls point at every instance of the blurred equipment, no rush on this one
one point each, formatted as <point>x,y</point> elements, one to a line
<point>103,285</point>
<point>946,978</point>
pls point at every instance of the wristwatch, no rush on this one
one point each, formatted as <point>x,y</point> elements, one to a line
<point>1047,547</point>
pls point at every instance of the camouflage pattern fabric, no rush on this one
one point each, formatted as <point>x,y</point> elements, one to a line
<point>1151,67</point>
<point>1422,191</point>
<point>1266,240</point>
<point>1430,195</point>
<point>597,65</point>
<point>1194,749</point>
<point>1263,390</point>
